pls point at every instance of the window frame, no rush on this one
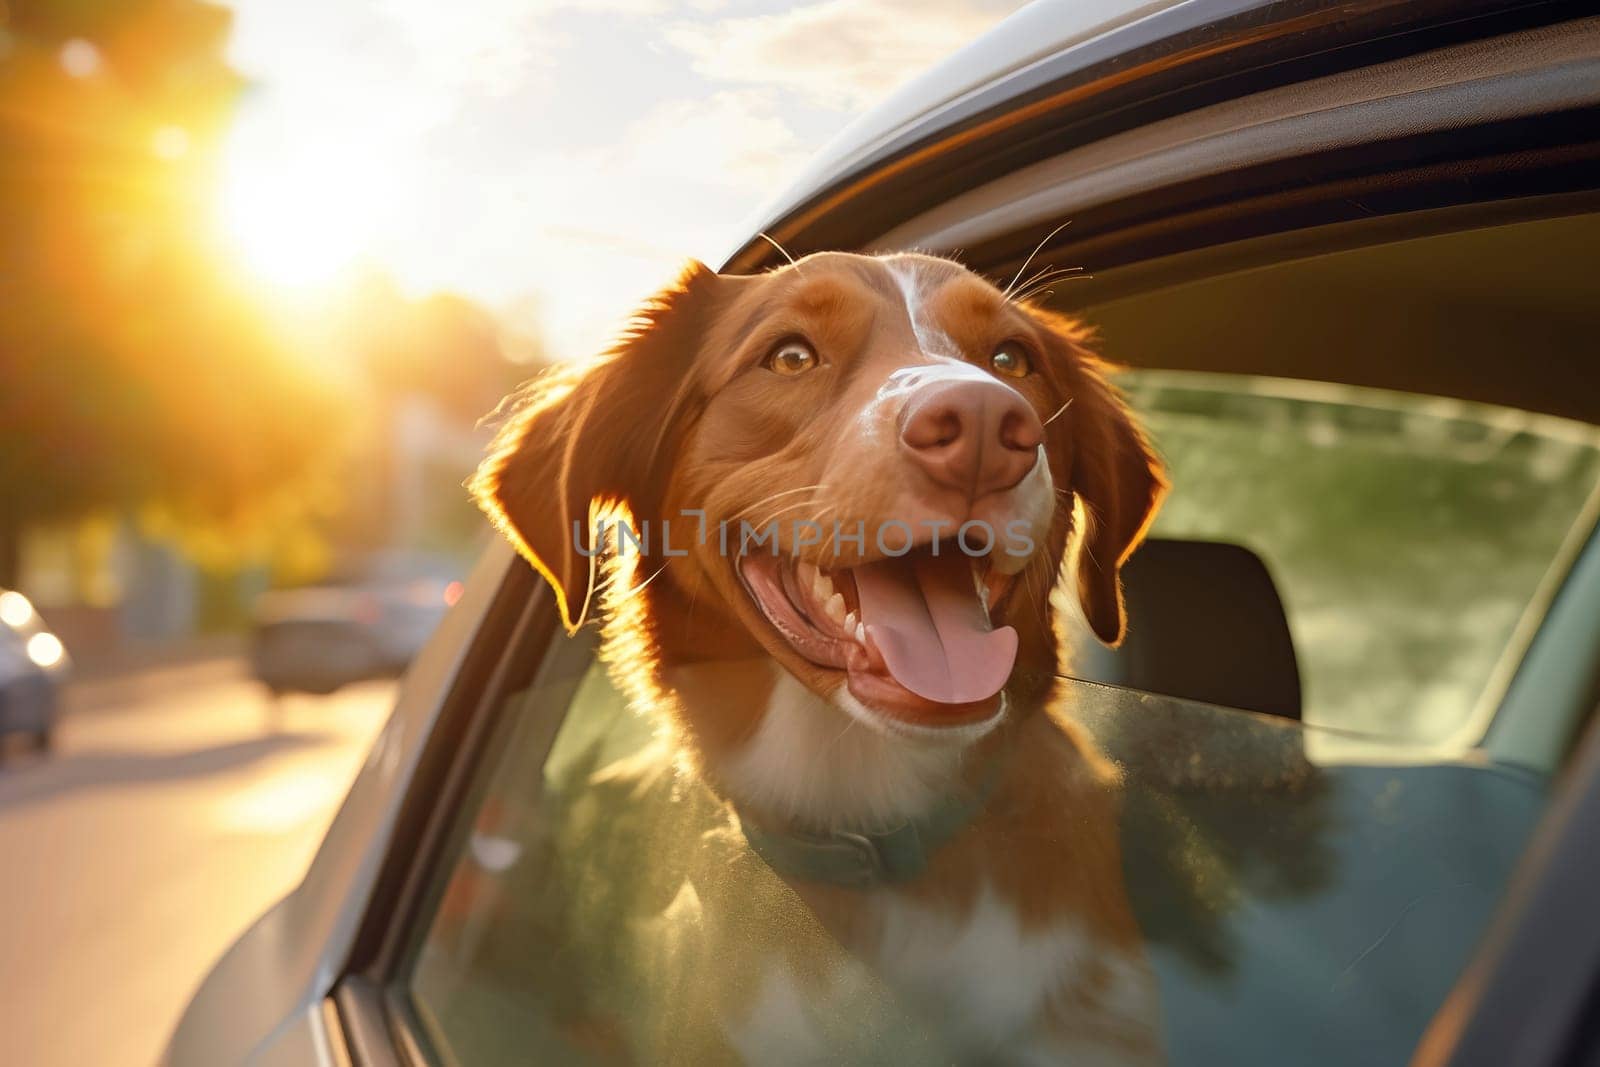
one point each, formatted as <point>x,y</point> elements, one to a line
<point>365,1016</point>
<point>506,654</point>
<point>1530,993</point>
<point>398,955</point>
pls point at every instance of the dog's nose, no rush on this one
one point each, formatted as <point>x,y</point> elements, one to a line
<point>978,437</point>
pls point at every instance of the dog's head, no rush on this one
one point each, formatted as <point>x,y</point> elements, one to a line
<point>865,467</point>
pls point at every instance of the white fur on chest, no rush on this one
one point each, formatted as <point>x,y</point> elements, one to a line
<point>985,987</point>
<point>982,965</point>
<point>816,764</point>
<point>980,986</point>
<point>1008,993</point>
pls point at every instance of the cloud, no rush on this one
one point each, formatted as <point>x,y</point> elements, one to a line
<point>841,54</point>
<point>484,46</point>
<point>492,49</point>
<point>732,139</point>
<point>596,228</point>
<point>679,181</point>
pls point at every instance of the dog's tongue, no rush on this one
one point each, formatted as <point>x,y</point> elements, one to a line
<point>923,615</point>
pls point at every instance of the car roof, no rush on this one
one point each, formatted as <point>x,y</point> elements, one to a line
<point>1041,29</point>
<point>1025,39</point>
<point>1059,74</point>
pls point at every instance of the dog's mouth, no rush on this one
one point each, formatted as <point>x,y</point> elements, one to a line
<point>913,634</point>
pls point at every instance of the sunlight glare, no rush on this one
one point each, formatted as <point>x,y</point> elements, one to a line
<point>283,802</point>
<point>170,142</point>
<point>301,208</point>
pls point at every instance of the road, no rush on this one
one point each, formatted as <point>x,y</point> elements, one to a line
<point>178,806</point>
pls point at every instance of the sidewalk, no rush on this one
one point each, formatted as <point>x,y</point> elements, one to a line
<point>135,671</point>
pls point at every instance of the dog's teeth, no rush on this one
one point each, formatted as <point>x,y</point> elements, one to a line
<point>861,632</point>
<point>850,622</point>
<point>834,607</point>
<point>822,587</point>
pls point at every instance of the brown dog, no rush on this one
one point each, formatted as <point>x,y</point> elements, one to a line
<point>850,486</point>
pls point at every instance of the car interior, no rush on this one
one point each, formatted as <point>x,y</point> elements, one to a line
<point>1210,627</point>
<point>1479,333</point>
<point>1291,842</point>
<point>1499,313</point>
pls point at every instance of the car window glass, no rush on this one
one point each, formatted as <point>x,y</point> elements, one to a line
<point>603,906</point>
<point>1414,539</point>
<point>1407,535</point>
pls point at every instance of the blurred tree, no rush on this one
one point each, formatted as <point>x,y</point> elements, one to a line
<point>442,349</point>
<point>443,345</point>
<point>132,370</point>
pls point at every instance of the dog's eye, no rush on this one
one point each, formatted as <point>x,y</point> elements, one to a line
<point>1011,360</point>
<point>791,357</point>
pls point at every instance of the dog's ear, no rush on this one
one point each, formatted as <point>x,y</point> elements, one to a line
<point>1120,480</point>
<point>581,440</point>
<point>1110,466</point>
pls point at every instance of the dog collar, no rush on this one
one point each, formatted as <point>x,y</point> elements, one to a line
<point>863,860</point>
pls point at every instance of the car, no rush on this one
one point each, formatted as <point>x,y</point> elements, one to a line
<point>1350,254</point>
<point>367,620</point>
<point>34,666</point>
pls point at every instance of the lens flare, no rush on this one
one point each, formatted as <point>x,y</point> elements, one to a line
<point>15,611</point>
<point>45,649</point>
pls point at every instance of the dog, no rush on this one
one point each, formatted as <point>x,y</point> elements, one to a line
<point>843,500</point>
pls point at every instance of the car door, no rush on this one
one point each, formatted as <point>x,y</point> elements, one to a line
<point>481,939</point>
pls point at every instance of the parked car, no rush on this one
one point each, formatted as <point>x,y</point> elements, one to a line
<point>1353,254</point>
<point>368,619</point>
<point>34,666</point>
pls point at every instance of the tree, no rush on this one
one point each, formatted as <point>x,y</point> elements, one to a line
<point>132,370</point>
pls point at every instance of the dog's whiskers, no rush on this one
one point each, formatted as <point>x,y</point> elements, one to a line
<point>1036,250</point>
<point>1044,276</point>
<point>782,251</point>
<point>848,723</point>
<point>772,516</point>
<point>1030,582</point>
<point>636,590</point>
<point>1035,286</point>
<point>769,499</point>
<point>694,598</point>
<point>1057,415</point>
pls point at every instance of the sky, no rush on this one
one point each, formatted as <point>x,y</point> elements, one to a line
<point>555,160</point>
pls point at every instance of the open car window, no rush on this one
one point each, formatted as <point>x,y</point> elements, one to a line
<point>600,906</point>
<point>1261,890</point>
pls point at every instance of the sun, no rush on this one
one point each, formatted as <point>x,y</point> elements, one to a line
<point>298,208</point>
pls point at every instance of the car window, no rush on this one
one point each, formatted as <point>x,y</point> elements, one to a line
<point>1236,888</point>
<point>1407,535</point>
<point>1415,539</point>
<point>601,905</point>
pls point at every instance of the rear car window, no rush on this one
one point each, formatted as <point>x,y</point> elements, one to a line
<point>1407,535</point>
